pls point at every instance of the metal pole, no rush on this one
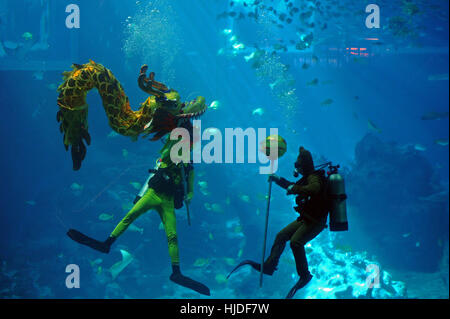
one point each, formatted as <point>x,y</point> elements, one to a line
<point>183,178</point>
<point>265,228</point>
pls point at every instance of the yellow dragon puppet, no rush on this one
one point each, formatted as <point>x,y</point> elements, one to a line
<point>170,184</point>
<point>159,114</point>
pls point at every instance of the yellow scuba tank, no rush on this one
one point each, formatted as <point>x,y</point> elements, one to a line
<point>337,197</point>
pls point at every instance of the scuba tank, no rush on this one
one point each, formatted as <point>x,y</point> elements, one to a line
<point>335,194</point>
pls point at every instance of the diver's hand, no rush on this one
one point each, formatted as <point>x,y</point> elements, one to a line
<point>290,189</point>
<point>274,178</point>
<point>189,197</point>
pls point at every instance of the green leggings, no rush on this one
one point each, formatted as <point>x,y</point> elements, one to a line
<point>165,207</point>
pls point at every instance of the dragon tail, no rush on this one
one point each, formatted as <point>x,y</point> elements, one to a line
<point>73,109</point>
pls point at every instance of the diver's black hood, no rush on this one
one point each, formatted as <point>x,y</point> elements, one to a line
<point>304,163</point>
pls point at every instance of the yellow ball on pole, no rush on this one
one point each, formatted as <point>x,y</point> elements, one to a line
<point>279,147</point>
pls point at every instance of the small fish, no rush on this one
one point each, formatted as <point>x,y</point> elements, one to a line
<point>420,147</point>
<point>113,134</point>
<point>227,31</point>
<point>203,184</point>
<point>371,125</point>
<point>258,111</point>
<point>249,57</point>
<point>51,86</point>
<point>305,66</point>
<point>216,208</point>
<point>105,217</point>
<point>214,105</point>
<point>245,198</point>
<point>438,77</point>
<point>207,206</point>
<point>201,262</point>
<point>136,185</point>
<point>406,235</point>
<point>442,141</point>
<point>31,202</point>
<point>127,206</point>
<point>27,36</point>
<point>39,75</point>
<point>344,248</point>
<point>313,82</point>
<point>230,261</point>
<point>204,191</point>
<point>76,187</point>
<point>125,153</point>
<point>212,131</point>
<point>136,229</point>
<point>434,116</point>
<point>237,229</point>
<point>221,278</point>
<point>327,102</point>
<point>96,262</point>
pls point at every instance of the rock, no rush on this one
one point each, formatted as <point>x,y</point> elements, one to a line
<point>384,190</point>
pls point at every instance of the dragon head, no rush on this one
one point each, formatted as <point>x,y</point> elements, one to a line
<point>167,108</point>
<point>171,103</point>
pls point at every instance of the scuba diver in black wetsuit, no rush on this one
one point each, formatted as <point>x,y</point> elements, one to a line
<point>313,205</point>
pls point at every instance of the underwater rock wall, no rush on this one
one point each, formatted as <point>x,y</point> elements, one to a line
<point>397,203</point>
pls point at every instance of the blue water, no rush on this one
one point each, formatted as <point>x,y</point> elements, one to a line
<point>372,98</point>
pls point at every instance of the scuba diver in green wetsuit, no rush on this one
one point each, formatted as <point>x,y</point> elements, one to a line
<point>312,193</point>
<point>164,192</point>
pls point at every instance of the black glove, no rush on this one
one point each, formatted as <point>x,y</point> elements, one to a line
<point>274,178</point>
<point>290,190</point>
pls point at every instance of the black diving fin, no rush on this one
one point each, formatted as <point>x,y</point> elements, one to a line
<point>187,282</point>
<point>101,246</point>
<point>257,266</point>
<point>299,285</point>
